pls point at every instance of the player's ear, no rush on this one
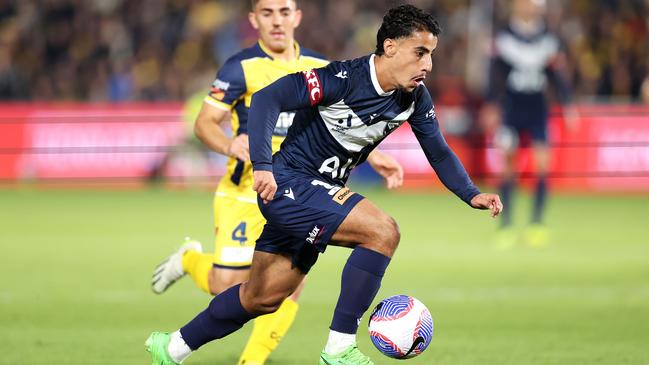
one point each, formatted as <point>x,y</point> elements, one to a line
<point>390,47</point>
<point>253,20</point>
<point>298,18</point>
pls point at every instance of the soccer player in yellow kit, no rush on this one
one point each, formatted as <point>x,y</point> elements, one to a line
<point>238,222</point>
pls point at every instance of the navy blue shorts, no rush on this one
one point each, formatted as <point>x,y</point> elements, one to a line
<point>528,116</point>
<point>302,217</point>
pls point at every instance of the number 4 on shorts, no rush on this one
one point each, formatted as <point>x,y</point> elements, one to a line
<point>239,234</point>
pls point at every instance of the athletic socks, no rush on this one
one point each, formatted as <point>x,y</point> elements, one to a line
<point>224,315</point>
<point>338,342</point>
<point>361,280</point>
<point>540,197</point>
<point>506,192</point>
<point>177,348</point>
<point>198,266</point>
<point>267,332</point>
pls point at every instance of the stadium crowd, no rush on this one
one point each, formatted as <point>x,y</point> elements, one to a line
<point>119,50</point>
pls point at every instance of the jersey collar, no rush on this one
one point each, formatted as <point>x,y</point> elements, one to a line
<point>267,51</point>
<point>375,80</point>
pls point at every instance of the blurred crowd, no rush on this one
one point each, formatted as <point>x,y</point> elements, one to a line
<point>119,50</point>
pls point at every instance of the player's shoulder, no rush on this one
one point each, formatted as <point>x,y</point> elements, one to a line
<point>254,51</point>
<point>349,70</point>
<point>421,97</point>
<point>310,55</point>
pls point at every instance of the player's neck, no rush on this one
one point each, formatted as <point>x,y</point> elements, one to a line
<point>386,82</point>
<point>289,54</point>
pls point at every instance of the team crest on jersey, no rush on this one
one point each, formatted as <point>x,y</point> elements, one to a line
<point>217,94</point>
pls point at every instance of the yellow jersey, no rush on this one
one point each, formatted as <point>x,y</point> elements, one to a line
<point>243,74</point>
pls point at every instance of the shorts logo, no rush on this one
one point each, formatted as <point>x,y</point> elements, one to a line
<point>313,235</point>
<point>342,195</point>
<point>314,85</point>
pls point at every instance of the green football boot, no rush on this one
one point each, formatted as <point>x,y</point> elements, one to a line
<point>156,344</point>
<point>351,356</point>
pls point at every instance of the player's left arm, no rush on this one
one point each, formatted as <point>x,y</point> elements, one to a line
<point>388,167</point>
<point>443,160</point>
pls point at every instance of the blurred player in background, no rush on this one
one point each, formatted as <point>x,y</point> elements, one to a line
<point>238,222</point>
<point>344,111</point>
<point>527,58</point>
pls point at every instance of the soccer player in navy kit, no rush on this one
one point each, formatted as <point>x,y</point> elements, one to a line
<point>527,58</point>
<point>343,111</point>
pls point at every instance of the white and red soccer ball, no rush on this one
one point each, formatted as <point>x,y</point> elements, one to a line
<point>401,327</point>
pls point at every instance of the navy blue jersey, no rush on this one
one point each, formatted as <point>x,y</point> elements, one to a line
<point>522,67</point>
<point>342,115</point>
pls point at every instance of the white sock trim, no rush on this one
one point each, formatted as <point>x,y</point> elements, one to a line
<point>338,342</point>
<point>178,349</point>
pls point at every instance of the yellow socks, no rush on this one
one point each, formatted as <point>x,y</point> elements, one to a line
<point>198,266</point>
<point>267,332</point>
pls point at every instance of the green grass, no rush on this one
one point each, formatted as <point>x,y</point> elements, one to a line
<point>75,269</point>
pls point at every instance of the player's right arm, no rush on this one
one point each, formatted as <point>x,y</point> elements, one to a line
<point>208,128</point>
<point>227,90</point>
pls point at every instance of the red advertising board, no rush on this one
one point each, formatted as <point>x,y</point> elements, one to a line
<point>608,151</point>
<point>79,141</point>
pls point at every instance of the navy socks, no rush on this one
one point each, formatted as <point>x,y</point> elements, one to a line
<point>361,280</point>
<point>540,196</point>
<point>223,316</point>
<point>506,192</point>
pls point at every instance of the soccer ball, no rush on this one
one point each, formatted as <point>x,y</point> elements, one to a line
<point>401,327</point>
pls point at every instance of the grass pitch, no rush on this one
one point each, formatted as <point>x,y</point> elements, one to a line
<point>76,265</point>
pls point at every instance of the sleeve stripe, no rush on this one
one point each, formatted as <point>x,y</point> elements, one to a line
<point>215,103</point>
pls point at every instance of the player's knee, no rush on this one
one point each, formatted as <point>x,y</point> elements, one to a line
<point>387,236</point>
<point>220,281</point>
<point>392,232</point>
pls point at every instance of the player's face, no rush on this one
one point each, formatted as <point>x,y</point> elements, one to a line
<point>276,21</point>
<point>529,9</point>
<point>412,59</point>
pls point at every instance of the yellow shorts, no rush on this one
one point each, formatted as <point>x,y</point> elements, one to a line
<point>238,224</point>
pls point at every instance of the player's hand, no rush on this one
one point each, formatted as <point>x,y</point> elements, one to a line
<point>388,167</point>
<point>239,148</point>
<point>264,185</point>
<point>488,201</point>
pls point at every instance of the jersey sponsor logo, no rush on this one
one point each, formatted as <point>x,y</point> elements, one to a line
<point>313,235</point>
<point>314,85</point>
<point>220,84</point>
<point>343,195</point>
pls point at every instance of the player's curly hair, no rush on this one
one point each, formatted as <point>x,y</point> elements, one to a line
<point>401,22</point>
